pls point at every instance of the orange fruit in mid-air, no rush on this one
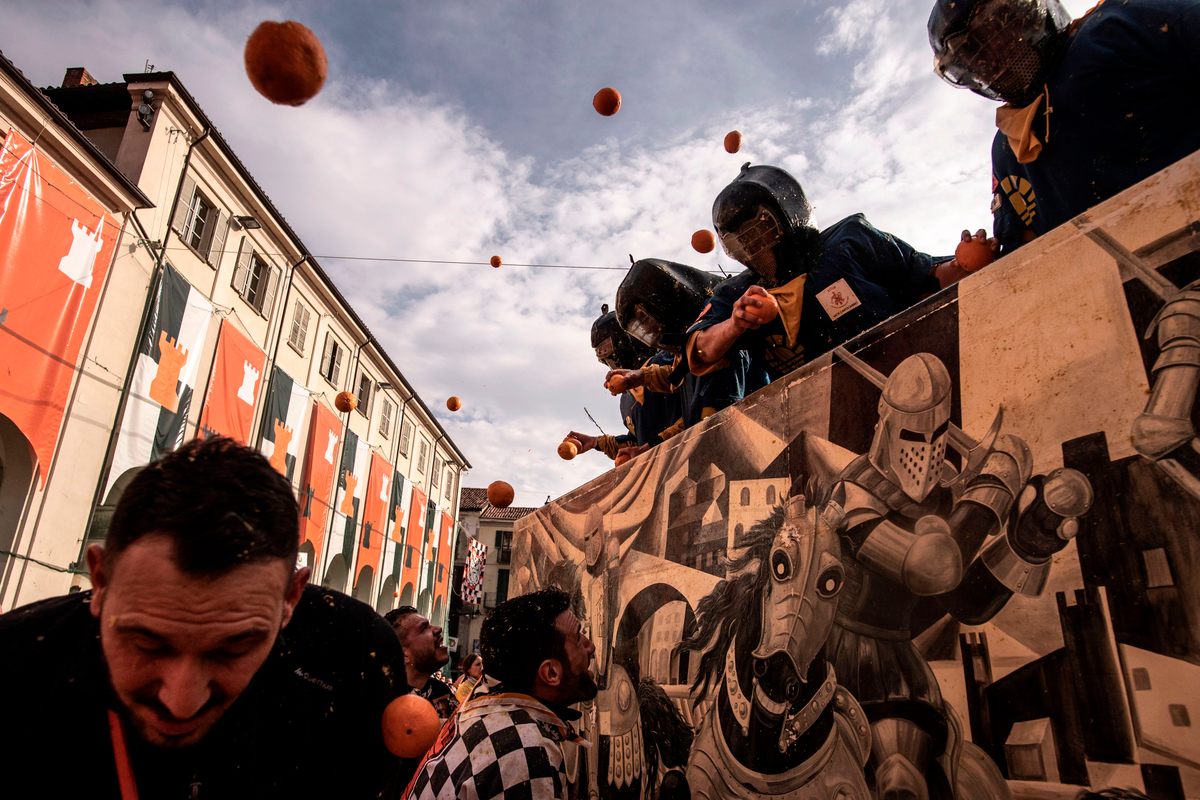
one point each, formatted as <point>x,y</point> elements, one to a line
<point>973,255</point>
<point>495,262</point>
<point>733,141</point>
<point>703,241</point>
<point>345,402</point>
<point>568,449</point>
<point>500,494</point>
<point>607,101</point>
<point>410,726</point>
<point>285,62</point>
<point>454,402</point>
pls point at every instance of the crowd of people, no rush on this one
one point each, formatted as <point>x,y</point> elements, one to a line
<point>202,664</point>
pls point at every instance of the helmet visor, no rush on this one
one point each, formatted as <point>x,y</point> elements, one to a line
<point>1000,54</point>
<point>753,238</point>
<point>644,327</point>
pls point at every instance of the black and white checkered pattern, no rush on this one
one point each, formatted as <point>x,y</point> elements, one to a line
<point>501,747</point>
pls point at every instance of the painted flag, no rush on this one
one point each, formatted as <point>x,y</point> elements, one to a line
<point>234,386</point>
<point>56,245</point>
<point>393,557</point>
<point>441,587</point>
<point>348,497</point>
<point>316,481</point>
<point>160,394</point>
<point>283,422</point>
<point>472,585</point>
<point>374,524</point>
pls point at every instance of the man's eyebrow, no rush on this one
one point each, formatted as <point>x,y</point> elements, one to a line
<point>245,636</point>
<point>139,630</point>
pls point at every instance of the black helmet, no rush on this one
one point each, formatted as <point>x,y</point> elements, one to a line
<point>1002,49</point>
<point>765,221</point>
<point>615,348</point>
<point>659,300</point>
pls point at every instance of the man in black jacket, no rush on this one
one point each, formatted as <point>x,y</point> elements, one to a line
<point>199,665</point>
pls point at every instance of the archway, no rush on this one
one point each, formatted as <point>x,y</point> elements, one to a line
<point>17,463</point>
<point>407,594</point>
<point>336,574</point>
<point>308,556</point>
<point>423,602</point>
<point>362,585</point>
<point>637,611</point>
<point>387,595</point>
<point>438,617</point>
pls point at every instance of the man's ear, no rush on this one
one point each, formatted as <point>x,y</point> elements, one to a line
<point>99,573</point>
<point>294,591</point>
<point>550,672</point>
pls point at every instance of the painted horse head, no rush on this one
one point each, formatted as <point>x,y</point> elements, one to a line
<point>806,575</point>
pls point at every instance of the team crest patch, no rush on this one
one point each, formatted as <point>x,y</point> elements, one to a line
<point>838,298</point>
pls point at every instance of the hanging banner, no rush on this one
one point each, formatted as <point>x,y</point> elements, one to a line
<point>283,422</point>
<point>56,245</point>
<point>472,585</point>
<point>234,386</point>
<point>160,394</point>
<point>413,541</point>
<point>348,497</point>
<point>441,580</point>
<point>374,524</point>
<point>316,482</point>
<point>396,514</point>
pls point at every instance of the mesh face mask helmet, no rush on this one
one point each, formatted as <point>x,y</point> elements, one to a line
<point>764,220</point>
<point>659,300</point>
<point>1001,49</point>
<point>909,446</point>
<point>615,348</point>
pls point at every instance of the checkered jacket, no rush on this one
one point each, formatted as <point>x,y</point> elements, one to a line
<point>498,747</point>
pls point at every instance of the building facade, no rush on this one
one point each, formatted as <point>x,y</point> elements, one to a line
<point>212,317</point>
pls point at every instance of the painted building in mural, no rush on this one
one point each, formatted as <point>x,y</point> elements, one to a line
<point>215,319</point>
<point>481,576</point>
<point>959,552</point>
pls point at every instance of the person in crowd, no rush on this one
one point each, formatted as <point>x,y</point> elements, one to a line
<point>425,653</point>
<point>472,675</point>
<point>806,290</point>
<point>656,302</point>
<point>1089,106</point>
<point>199,664</point>
<point>509,743</point>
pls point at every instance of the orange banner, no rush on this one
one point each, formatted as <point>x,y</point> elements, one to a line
<point>414,539</point>
<point>442,577</point>
<point>316,483</point>
<point>56,246</point>
<point>374,527</point>
<point>234,387</point>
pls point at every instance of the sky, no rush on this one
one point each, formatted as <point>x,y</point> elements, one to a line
<point>458,130</point>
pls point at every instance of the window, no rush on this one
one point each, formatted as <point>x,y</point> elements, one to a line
<point>385,418</point>
<point>1179,715</point>
<point>435,473</point>
<point>1158,568</point>
<point>331,359</point>
<point>421,455</point>
<point>299,331</point>
<point>255,279</point>
<point>200,224</point>
<point>745,495</point>
<point>449,481</point>
<point>771,495</point>
<point>1141,679</point>
<point>501,585</point>
<point>365,385</point>
<point>405,436</point>
<point>503,547</point>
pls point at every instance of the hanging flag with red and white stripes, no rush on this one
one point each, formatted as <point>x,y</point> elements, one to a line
<point>472,585</point>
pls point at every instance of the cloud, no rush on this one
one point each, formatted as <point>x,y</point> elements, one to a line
<point>376,166</point>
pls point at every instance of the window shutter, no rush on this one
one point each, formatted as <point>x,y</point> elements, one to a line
<point>241,273</point>
<point>405,436</point>
<point>304,317</point>
<point>327,357</point>
<point>216,234</point>
<point>295,338</point>
<point>267,296</point>
<point>183,208</point>
<point>337,363</point>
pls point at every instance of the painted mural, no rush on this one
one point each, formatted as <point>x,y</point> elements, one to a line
<point>957,558</point>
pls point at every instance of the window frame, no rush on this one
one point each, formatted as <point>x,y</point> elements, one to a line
<point>211,235</point>
<point>406,432</point>
<point>385,418</point>
<point>365,391</point>
<point>421,453</point>
<point>299,347</point>
<point>335,365</point>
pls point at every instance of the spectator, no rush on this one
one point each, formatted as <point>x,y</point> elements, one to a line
<point>1091,106</point>
<point>472,674</point>
<point>425,653</point>
<point>199,664</point>
<point>509,743</point>
<point>806,291</point>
